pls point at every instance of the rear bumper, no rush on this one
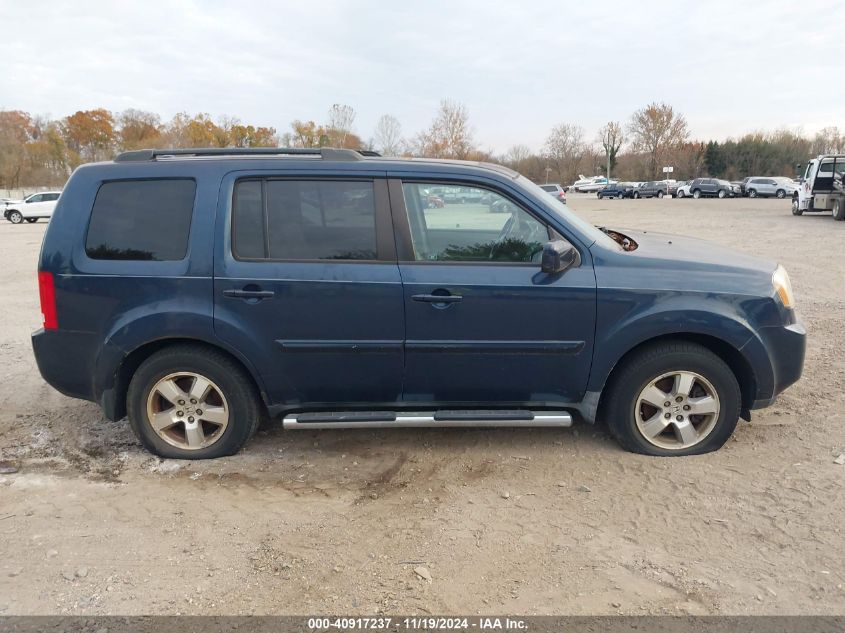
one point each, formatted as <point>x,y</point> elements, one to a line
<point>64,360</point>
<point>786,346</point>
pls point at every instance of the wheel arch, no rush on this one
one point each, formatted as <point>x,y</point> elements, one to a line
<point>733,357</point>
<point>113,399</point>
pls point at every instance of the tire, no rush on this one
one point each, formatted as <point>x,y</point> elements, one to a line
<point>15,217</point>
<point>796,209</point>
<point>721,193</point>
<point>599,196</point>
<point>619,197</point>
<point>752,193</point>
<point>32,220</point>
<point>231,391</point>
<point>681,194</point>
<point>636,194</point>
<point>838,210</point>
<point>696,194</point>
<point>660,194</point>
<point>780,194</point>
<point>637,372</point>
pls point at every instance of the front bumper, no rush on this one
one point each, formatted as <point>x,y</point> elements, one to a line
<point>786,346</point>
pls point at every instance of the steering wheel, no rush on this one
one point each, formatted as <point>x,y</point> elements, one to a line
<point>518,225</point>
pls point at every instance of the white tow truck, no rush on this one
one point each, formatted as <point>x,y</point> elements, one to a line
<point>822,187</point>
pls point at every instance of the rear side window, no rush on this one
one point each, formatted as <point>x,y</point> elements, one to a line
<point>141,220</point>
<point>304,220</point>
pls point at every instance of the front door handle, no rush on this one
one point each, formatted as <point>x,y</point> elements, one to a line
<point>437,298</point>
<point>248,294</point>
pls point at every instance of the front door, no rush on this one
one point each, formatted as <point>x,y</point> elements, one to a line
<point>483,324</point>
<point>307,288</point>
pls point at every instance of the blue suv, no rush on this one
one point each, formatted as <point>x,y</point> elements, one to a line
<point>199,292</point>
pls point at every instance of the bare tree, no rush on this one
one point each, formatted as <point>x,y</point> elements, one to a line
<point>655,130</point>
<point>611,137</point>
<point>564,150</point>
<point>341,118</point>
<point>516,156</point>
<point>450,135</point>
<point>828,140</point>
<point>388,136</point>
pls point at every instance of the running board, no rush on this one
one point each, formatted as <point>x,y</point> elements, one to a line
<point>409,419</point>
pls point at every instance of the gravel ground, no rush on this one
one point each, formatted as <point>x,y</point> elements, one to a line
<point>542,521</point>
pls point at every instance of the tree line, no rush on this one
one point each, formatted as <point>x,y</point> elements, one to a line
<point>36,150</point>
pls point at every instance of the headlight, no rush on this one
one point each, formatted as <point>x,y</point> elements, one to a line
<point>780,281</point>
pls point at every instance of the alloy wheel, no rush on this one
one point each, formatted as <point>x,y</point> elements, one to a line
<point>677,410</point>
<point>187,410</point>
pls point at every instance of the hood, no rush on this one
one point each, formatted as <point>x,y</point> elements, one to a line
<point>680,252</point>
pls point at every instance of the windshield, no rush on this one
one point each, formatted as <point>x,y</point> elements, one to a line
<point>588,230</point>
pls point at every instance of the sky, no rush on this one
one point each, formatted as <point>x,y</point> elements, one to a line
<point>519,67</point>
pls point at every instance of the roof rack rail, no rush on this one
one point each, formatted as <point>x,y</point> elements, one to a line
<point>326,153</point>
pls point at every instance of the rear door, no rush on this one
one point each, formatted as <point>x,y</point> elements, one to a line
<point>483,324</point>
<point>307,286</point>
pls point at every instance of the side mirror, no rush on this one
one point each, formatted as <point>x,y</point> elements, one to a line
<point>558,255</point>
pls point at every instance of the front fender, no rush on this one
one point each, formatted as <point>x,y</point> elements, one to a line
<point>711,316</point>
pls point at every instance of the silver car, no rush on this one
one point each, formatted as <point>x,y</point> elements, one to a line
<point>763,187</point>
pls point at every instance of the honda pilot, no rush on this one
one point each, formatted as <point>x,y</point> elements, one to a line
<point>198,292</point>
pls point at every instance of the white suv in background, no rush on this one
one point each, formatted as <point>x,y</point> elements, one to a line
<point>38,205</point>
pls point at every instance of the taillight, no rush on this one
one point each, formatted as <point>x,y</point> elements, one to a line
<point>47,292</point>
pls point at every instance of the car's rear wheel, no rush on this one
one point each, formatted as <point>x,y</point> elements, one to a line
<point>838,210</point>
<point>636,194</point>
<point>752,193</point>
<point>660,194</point>
<point>673,398</point>
<point>696,194</point>
<point>190,402</point>
<point>15,217</point>
<point>780,193</point>
<point>619,197</point>
<point>722,193</point>
<point>796,208</point>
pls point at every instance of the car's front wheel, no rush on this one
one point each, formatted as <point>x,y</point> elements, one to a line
<point>796,207</point>
<point>191,402</point>
<point>752,193</point>
<point>722,193</point>
<point>780,194</point>
<point>15,217</point>
<point>681,193</point>
<point>696,194</point>
<point>673,398</point>
<point>838,210</point>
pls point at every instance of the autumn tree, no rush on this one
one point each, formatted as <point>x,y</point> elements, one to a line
<point>16,130</point>
<point>611,137</point>
<point>90,134</point>
<point>387,138</point>
<point>339,127</point>
<point>655,130</point>
<point>450,135</point>
<point>564,150</point>
<point>138,129</point>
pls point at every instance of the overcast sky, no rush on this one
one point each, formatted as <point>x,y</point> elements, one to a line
<point>519,67</point>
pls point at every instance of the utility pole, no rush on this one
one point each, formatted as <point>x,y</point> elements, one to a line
<point>548,171</point>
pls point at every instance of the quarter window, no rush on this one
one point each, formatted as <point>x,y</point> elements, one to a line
<point>141,220</point>
<point>470,224</point>
<point>304,220</point>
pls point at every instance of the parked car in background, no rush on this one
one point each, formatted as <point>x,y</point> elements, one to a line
<point>203,291</point>
<point>674,186</point>
<point>779,187</point>
<point>616,190</point>
<point>556,191</point>
<point>683,190</point>
<point>713,188</point>
<point>652,189</point>
<point>38,205</point>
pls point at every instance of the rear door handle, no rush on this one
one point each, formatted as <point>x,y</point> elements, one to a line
<point>248,294</point>
<point>437,298</point>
